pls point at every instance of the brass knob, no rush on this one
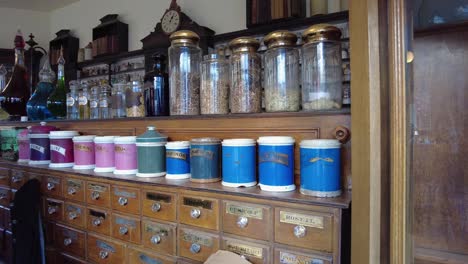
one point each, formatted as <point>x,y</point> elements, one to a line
<point>67,241</point>
<point>71,190</point>
<point>50,186</point>
<point>97,222</point>
<point>51,210</point>
<point>156,239</point>
<point>195,248</point>
<point>95,195</point>
<point>156,207</point>
<point>103,254</point>
<point>342,134</point>
<point>195,213</point>
<point>300,231</point>
<point>242,221</point>
<point>123,201</point>
<point>123,230</point>
<point>72,215</point>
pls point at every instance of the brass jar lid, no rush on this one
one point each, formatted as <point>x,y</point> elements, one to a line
<point>280,38</point>
<point>184,37</point>
<point>244,44</point>
<point>321,32</point>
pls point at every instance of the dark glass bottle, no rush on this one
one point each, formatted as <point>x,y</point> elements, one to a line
<point>37,104</point>
<point>157,88</point>
<point>16,93</point>
<point>57,102</point>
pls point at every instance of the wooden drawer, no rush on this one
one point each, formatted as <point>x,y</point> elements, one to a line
<point>199,211</point>
<point>126,228</point>
<point>70,240</point>
<point>312,230</point>
<point>63,258</point>
<point>18,178</point>
<point>49,232</point>
<point>73,189</point>
<point>287,256</point>
<point>5,196</point>
<point>255,253</point>
<point>102,250</point>
<point>249,220</point>
<point>51,186</point>
<point>126,199</point>
<point>51,256</point>
<point>188,261</point>
<point>159,237</point>
<point>75,215</point>
<point>99,221</point>
<point>98,194</point>
<point>140,256</point>
<point>158,205</point>
<point>4,177</point>
<point>197,245</point>
<point>53,209</point>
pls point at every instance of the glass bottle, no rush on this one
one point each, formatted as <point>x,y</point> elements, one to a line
<point>281,72</point>
<point>118,100</point>
<point>57,102</point>
<point>37,104</point>
<point>184,68</point>
<point>3,73</point>
<point>322,74</point>
<point>134,100</point>
<point>105,107</point>
<point>214,90</point>
<point>94,103</point>
<point>246,89</point>
<point>16,93</point>
<point>72,101</point>
<point>83,101</point>
<point>157,88</point>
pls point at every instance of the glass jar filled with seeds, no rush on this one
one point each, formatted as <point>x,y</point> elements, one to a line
<point>322,75</point>
<point>281,72</point>
<point>184,73</point>
<point>245,88</point>
<point>118,100</point>
<point>134,99</point>
<point>214,91</point>
<point>83,101</point>
<point>94,103</point>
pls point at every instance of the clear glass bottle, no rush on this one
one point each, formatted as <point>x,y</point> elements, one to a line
<point>214,90</point>
<point>281,72</point>
<point>3,73</point>
<point>156,85</point>
<point>135,101</point>
<point>322,75</point>
<point>37,104</point>
<point>118,100</point>
<point>105,106</point>
<point>246,89</point>
<point>94,103</point>
<point>57,102</point>
<point>83,101</point>
<point>72,101</point>
<point>184,69</point>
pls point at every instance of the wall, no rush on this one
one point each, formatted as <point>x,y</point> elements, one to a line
<point>142,15</point>
<point>29,21</point>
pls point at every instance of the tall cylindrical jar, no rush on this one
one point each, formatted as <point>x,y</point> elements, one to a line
<point>23,146</point>
<point>151,153</point>
<point>61,149</point>
<point>246,89</point>
<point>239,162</point>
<point>205,160</point>
<point>83,149</point>
<point>321,68</point>
<point>281,72</point>
<point>118,100</point>
<point>39,143</point>
<point>214,90</point>
<point>184,73</point>
<point>104,154</point>
<point>125,155</point>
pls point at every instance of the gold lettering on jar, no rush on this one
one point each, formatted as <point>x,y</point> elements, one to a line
<point>197,152</point>
<point>82,147</point>
<point>120,149</point>
<point>245,250</point>
<point>252,212</point>
<point>301,219</point>
<point>275,157</point>
<point>176,155</point>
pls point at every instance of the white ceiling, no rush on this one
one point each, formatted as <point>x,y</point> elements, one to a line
<point>38,5</point>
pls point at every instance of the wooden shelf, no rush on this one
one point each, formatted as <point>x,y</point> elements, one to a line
<point>110,58</point>
<point>127,71</point>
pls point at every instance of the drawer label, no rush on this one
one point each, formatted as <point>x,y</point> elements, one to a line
<point>198,203</point>
<point>125,222</point>
<point>301,219</point>
<point>97,188</point>
<point>245,250</point>
<point>198,239</point>
<point>53,180</point>
<point>147,260</point>
<point>252,212</point>
<point>176,154</point>
<point>103,245</point>
<point>74,183</point>
<point>288,258</point>
<point>70,234</point>
<point>72,208</point>
<point>158,197</point>
<point>123,193</point>
<point>159,229</point>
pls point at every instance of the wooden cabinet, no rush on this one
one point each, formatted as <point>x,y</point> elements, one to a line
<point>126,228</point>
<point>51,186</point>
<point>75,215</point>
<point>249,220</point>
<point>53,209</point>
<point>126,199</point>
<point>98,194</point>
<point>18,178</point>
<point>159,237</point>
<point>102,250</point>
<point>70,240</point>
<point>139,255</point>
<point>99,220</point>
<point>197,245</point>
<point>74,189</point>
<point>196,210</point>
<point>159,205</point>
<point>256,253</point>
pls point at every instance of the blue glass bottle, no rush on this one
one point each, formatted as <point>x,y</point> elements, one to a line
<point>37,104</point>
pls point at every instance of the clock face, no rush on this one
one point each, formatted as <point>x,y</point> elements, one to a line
<point>170,21</point>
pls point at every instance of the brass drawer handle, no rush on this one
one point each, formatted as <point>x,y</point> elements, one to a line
<point>156,239</point>
<point>71,190</point>
<point>195,213</point>
<point>52,210</point>
<point>123,230</point>
<point>123,201</point>
<point>103,254</point>
<point>300,231</point>
<point>67,242</point>
<point>72,215</point>
<point>195,248</point>
<point>50,186</point>
<point>97,222</point>
<point>242,221</point>
<point>156,207</point>
<point>95,195</point>
<point>16,179</point>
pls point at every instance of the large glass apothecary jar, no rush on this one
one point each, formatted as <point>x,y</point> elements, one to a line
<point>322,75</point>
<point>246,89</point>
<point>214,91</point>
<point>184,73</point>
<point>281,72</point>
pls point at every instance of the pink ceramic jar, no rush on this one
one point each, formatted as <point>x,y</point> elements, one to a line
<point>23,146</point>
<point>83,148</point>
<point>125,155</point>
<point>61,149</point>
<point>104,154</point>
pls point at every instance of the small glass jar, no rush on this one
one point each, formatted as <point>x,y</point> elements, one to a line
<point>72,101</point>
<point>322,76</point>
<point>246,89</point>
<point>105,107</point>
<point>83,101</point>
<point>281,72</point>
<point>214,90</point>
<point>94,103</point>
<point>118,100</point>
<point>184,73</point>
<point>135,102</point>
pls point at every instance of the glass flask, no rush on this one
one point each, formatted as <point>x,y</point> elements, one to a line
<point>57,102</point>
<point>37,104</point>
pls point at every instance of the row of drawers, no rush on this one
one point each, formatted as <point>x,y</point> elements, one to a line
<point>192,244</point>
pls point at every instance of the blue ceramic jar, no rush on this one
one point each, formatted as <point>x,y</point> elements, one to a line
<point>205,160</point>
<point>239,163</point>
<point>178,160</point>
<point>276,163</point>
<point>320,167</point>
<point>151,153</point>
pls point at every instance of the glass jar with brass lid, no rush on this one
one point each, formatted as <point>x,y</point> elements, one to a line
<point>184,73</point>
<point>245,93</point>
<point>322,86</point>
<point>281,72</point>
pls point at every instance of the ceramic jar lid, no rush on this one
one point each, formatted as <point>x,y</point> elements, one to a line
<point>151,136</point>
<point>42,129</point>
